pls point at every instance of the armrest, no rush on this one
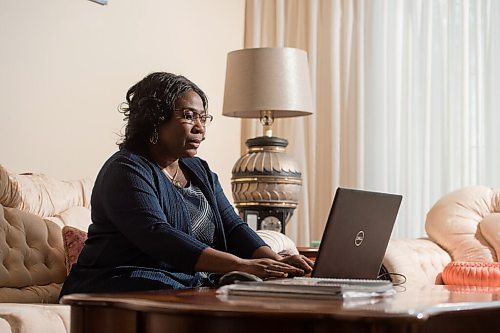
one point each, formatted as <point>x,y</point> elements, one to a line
<point>278,242</point>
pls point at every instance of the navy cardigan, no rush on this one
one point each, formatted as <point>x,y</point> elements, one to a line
<point>141,228</point>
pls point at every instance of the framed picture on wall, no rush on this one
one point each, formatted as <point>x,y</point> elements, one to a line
<point>102,2</point>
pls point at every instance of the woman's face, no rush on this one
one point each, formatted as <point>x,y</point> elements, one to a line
<point>180,137</point>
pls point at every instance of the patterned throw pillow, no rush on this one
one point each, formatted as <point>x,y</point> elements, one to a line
<point>73,239</point>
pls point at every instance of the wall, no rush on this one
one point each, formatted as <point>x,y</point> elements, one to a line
<point>66,65</point>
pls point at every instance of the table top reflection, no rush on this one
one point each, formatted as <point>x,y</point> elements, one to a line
<point>418,302</point>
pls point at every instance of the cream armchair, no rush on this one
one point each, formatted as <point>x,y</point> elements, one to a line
<point>463,225</point>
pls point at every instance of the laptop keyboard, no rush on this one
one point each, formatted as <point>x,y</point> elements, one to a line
<point>312,287</point>
<point>350,282</point>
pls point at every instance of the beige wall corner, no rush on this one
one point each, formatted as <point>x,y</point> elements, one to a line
<point>66,65</point>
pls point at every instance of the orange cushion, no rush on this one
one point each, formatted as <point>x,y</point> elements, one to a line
<point>483,274</point>
<point>73,240</point>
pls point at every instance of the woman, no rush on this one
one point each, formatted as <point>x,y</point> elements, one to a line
<point>159,216</point>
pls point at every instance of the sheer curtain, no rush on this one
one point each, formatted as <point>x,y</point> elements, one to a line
<point>404,94</point>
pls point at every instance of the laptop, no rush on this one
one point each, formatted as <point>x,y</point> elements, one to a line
<point>350,255</point>
<point>356,234</point>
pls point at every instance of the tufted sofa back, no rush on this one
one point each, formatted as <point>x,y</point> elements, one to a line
<point>31,254</point>
<point>33,209</point>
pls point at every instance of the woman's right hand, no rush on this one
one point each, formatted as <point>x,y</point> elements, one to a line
<point>268,268</point>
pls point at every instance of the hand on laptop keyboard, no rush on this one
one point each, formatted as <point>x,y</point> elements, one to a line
<point>268,268</point>
<point>299,261</point>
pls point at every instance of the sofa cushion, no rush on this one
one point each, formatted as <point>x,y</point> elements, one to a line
<point>31,294</point>
<point>78,217</point>
<point>420,260</point>
<point>34,318</point>
<point>42,195</point>
<point>454,223</point>
<point>31,255</point>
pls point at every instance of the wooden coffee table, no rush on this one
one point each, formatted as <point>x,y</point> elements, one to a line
<point>416,309</point>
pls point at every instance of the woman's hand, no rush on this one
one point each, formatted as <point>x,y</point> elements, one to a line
<point>270,268</point>
<point>265,264</point>
<point>302,264</point>
<point>299,261</point>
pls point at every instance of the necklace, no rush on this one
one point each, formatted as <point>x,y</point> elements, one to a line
<point>172,178</point>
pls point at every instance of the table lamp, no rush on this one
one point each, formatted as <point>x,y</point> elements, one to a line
<point>266,83</point>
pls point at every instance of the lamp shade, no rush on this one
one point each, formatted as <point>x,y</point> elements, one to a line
<point>267,79</point>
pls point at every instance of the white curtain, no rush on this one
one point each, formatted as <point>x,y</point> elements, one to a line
<point>405,100</point>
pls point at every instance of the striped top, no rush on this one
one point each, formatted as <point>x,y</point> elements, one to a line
<point>201,214</point>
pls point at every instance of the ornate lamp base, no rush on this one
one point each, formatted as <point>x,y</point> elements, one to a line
<point>266,184</point>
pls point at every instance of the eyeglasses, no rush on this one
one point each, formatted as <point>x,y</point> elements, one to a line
<point>192,116</point>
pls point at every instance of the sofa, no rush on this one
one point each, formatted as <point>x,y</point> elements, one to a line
<point>35,209</point>
<point>462,226</point>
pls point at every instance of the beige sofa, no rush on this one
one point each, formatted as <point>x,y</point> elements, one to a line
<point>463,225</point>
<point>34,208</point>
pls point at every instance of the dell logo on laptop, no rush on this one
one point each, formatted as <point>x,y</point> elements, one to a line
<point>360,236</point>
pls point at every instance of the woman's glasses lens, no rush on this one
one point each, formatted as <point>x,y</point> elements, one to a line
<point>191,117</point>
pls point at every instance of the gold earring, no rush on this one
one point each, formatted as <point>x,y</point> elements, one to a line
<point>154,137</point>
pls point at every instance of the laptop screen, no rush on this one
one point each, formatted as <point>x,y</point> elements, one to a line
<point>356,234</point>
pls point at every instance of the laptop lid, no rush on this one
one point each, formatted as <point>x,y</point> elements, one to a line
<point>356,234</point>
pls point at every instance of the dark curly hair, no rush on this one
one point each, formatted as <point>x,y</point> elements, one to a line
<point>150,102</point>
